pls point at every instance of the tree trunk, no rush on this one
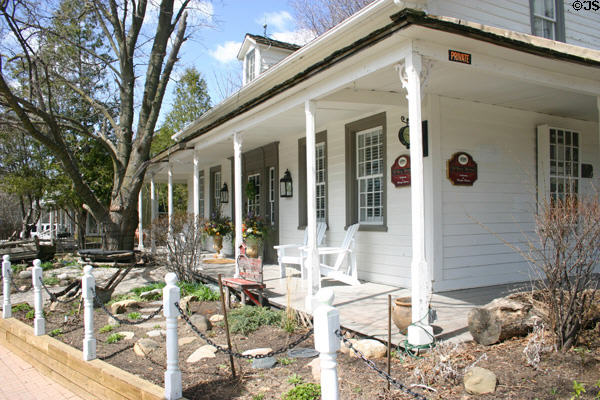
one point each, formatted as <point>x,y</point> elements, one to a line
<point>501,319</point>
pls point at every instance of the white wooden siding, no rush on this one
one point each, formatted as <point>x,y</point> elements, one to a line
<point>582,28</point>
<point>500,206</point>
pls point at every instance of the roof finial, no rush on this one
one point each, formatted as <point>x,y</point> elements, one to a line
<point>265,30</point>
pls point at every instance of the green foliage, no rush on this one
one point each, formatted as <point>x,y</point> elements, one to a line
<point>191,101</point>
<point>46,265</point>
<point>259,396</point>
<point>51,280</point>
<point>21,307</point>
<point>357,390</point>
<point>30,314</point>
<point>56,332</point>
<point>198,289</point>
<point>295,379</point>
<point>134,315</point>
<point>147,288</point>
<point>578,390</point>
<point>288,324</point>
<point>247,319</point>
<point>114,338</point>
<point>305,391</point>
<point>16,268</point>
<point>107,328</point>
<point>286,361</point>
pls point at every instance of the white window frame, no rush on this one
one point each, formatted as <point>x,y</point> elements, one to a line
<point>556,20</point>
<point>250,65</point>
<point>201,194</point>
<point>321,181</point>
<point>373,220</point>
<point>272,195</point>
<point>551,174</point>
<point>253,205</point>
<point>217,190</point>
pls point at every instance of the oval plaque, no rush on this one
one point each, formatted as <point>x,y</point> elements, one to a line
<point>462,169</point>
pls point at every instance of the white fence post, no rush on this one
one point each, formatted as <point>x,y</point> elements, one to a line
<point>171,294</point>
<point>327,322</point>
<point>6,276</point>
<point>88,285</point>
<point>39,324</point>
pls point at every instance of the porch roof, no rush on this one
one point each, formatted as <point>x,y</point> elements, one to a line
<point>372,25</point>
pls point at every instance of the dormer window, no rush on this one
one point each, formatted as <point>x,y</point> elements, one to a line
<point>250,70</point>
<point>547,19</point>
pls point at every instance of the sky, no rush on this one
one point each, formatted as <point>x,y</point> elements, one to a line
<point>213,50</point>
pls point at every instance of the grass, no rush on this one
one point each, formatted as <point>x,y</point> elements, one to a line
<point>51,280</point>
<point>304,391</point>
<point>134,315</point>
<point>46,265</point>
<point>56,332</point>
<point>295,379</point>
<point>16,268</point>
<point>286,361</point>
<point>107,328</point>
<point>198,289</point>
<point>21,307</point>
<point>247,319</point>
<point>31,314</point>
<point>114,338</point>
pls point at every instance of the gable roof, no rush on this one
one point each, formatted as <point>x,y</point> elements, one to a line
<point>281,77</point>
<point>266,41</point>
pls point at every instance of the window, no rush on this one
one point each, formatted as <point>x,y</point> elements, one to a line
<point>201,194</point>
<point>253,205</point>
<point>558,163</point>
<point>366,173</point>
<point>369,174</point>
<point>250,70</point>
<point>321,179</point>
<point>547,19</point>
<point>272,186</point>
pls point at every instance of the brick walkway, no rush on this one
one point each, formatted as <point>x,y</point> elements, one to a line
<point>20,381</point>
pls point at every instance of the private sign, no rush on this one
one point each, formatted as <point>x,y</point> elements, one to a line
<point>459,57</point>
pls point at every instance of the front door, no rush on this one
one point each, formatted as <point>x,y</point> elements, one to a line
<point>259,171</point>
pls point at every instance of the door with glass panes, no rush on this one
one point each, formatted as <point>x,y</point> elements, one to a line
<point>260,192</point>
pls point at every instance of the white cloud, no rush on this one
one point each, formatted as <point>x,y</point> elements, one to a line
<point>200,12</point>
<point>279,20</point>
<point>299,37</point>
<point>226,52</point>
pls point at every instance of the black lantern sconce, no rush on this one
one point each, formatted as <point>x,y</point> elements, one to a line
<point>285,185</point>
<point>224,195</point>
<point>404,135</point>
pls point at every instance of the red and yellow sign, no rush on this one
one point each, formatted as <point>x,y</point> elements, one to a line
<point>459,56</point>
<point>462,169</point>
<point>401,171</point>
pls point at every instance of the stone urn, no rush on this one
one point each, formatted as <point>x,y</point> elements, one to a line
<point>252,248</point>
<point>218,244</point>
<point>402,313</point>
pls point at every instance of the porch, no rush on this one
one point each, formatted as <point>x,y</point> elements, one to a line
<point>363,308</point>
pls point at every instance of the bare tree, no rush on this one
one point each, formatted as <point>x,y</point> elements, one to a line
<point>320,16</point>
<point>132,54</point>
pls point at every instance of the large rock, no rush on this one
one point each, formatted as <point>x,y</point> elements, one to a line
<point>156,333</point>
<point>315,369</point>
<point>184,303</point>
<point>345,349</point>
<point>186,340</point>
<point>479,381</point>
<point>25,274</point>
<point>200,322</point>
<point>120,307</point>
<point>257,352</point>
<point>216,318</point>
<point>206,351</point>
<point>127,335</point>
<point>371,348</point>
<point>144,347</point>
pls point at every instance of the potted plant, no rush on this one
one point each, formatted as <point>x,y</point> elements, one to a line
<point>218,227</point>
<point>254,231</point>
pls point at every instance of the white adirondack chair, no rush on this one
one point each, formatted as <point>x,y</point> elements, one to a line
<point>294,253</point>
<point>344,267</point>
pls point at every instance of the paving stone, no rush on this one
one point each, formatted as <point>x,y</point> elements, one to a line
<point>120,307</point>
<point>145,346</point>
<point>256,352</point>
<point>186,340</point>
<point>151,294</point>
<point>156,333</point>
<point>206,351</point>
<point>216,318</point>
<point>264,363</point>
<point>25,274</point>
<point>127,335</point>
<point>371,348</point>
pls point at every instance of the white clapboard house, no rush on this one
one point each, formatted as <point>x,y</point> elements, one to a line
<point>502,100</point>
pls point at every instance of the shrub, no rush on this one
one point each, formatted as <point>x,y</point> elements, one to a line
<point>134,315</point>
<point>56,332</point>
<point>22,307</point>
<point>30,314</point>
<point>304,391</point>
<point>106,328</point>
<point>51,280</point>
<point>203,292</point>
<point>247,319</point>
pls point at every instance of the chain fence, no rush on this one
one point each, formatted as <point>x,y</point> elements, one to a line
<point>239,355</point>
<point>14,285</point>
<point>125,321</point>
<point>379,371</point>
<point>54,297</point>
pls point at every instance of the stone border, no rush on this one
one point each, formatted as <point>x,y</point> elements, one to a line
<point>88,379</point>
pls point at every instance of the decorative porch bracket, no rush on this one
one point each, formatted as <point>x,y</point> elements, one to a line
<point>419,332</point>
<point>312,259</point>
<point>237,176</point>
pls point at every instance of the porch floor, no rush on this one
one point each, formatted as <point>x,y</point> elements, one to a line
<point>363,308</point>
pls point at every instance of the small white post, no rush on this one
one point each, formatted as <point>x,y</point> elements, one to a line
<point>39,324</point>
<point>152,212</point>
<point>141,220</point>
<point>171,294</point>
<point>6,276</point>
<point>88,284</point>
<point>170,196</point>
<point>237,182</point>
<point>51,224</point>
<point>196,181</point>
<point>327,321</point>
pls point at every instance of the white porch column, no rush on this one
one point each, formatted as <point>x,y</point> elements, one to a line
<point>52,236</point>
<point>598,105</point>
<point>152,212</point>
<point>312,260</point>
<point>170,195</point>
<point>237,184</point>
<point>140,222</point>
<point>196,185</point>
<point>420,332</point>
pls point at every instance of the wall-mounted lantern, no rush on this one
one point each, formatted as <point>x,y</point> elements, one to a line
<point>224,195</point>
<point>285,185</point>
